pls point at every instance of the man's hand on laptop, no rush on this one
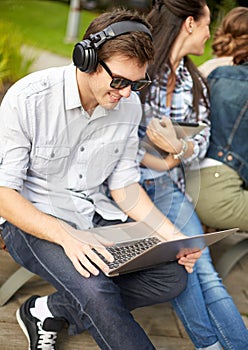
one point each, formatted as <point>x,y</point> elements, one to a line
<point>189,260</point>
<point>83,253</point>
<point>82,247</point>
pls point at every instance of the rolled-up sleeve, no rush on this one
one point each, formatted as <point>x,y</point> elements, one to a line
<point>14,143</point>
<point>200,140</point>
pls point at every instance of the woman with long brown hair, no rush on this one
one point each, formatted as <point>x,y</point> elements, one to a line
<point>179,93</point>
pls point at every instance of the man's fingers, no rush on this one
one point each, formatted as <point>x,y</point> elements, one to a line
<point>188,266</point>
<point>97,256</point>
<point>189,261</point>
<point>189,269</point>
<point>89,255</point>
<point>80,268</point>
<point>86,262</point>
<point>105,253</point>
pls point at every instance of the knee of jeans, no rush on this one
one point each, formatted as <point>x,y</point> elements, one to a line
<point>173,284</point>
<point>182,279</point>
<point>99,292</point>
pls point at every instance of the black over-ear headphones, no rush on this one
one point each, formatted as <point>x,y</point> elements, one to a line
<point>85,52</point>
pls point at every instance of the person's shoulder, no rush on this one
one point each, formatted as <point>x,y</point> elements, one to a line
<point>131,106</point>
<point>133,99</point>
<point>37,81</point>
<point>239,72</point>
<point>207,67</point>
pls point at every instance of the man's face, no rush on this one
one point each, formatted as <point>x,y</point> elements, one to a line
<point>122,67</point>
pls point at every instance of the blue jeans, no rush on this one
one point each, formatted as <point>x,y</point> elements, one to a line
<point>99,304</point>
<point>206,310</point>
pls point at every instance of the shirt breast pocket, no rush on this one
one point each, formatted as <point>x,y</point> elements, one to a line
<point>50,160</point>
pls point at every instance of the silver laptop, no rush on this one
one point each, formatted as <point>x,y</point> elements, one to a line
<point>137,247</point>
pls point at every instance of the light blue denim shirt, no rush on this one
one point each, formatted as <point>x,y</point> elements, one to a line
<point>57,156</point>
<point>229,115</point>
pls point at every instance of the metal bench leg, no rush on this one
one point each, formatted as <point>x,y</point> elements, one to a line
<point>13,283</point>
<point>231,257</point>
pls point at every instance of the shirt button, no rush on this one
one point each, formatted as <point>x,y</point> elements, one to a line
<point>216,174</point>
<point>82,149</point>
<point>80,176</point>
<point>220,154</point>
<point>229,157</point>
<point>116,150</point>
<point>52,155</point>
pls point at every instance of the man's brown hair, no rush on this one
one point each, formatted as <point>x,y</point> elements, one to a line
<point>133,45</point>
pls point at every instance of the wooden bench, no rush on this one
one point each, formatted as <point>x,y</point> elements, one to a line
<point>233,255</point>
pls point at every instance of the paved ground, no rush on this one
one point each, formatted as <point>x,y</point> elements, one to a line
<point>45,59</point>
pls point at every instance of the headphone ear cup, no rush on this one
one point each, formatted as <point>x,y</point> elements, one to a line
<point>85,57</point>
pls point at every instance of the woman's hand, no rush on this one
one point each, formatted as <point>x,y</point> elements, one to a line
<point>162,133</point>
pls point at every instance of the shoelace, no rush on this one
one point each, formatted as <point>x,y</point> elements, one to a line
<point>47,339</point>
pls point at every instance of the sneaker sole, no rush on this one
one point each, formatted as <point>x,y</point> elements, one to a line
<point>23,327</point>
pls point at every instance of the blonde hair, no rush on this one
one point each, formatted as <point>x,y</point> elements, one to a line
<point>231,38</point>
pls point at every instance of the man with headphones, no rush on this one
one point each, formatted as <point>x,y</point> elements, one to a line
<point>65,132</point>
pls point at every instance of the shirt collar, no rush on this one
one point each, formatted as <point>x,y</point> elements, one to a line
<point>182,72</point>
<point>72,98</point>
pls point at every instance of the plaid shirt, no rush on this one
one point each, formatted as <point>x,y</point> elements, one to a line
<point>181,110</point>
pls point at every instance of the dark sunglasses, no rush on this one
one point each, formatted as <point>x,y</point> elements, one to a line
<point>121,83</point>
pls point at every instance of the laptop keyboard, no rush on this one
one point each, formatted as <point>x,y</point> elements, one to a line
<point>124,253</point>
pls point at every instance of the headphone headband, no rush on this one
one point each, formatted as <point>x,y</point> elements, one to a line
<point>117,29</point>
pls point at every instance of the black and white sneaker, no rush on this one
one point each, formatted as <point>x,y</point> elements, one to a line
<point>40,336</point>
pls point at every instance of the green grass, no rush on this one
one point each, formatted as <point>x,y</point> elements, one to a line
<point>43,23</point>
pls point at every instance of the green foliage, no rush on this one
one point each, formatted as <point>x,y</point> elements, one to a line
<point>43,23</point>
<point>13,65</point>
<point>219,9</point>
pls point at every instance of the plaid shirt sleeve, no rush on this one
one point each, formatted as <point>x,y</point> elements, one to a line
<point>181,110</point>
<point>201,140</point>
